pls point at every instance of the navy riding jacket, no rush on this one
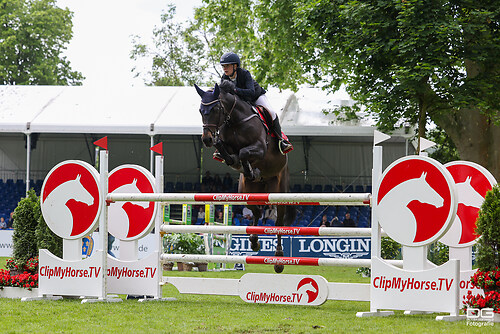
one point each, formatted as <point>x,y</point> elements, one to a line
<point>246,87</point>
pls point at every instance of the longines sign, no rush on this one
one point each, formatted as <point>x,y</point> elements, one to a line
<point>306,246</point>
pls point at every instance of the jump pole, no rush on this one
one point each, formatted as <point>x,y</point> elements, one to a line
<point>247,199</point>
<point>270,230</point>
<point>272,260</point>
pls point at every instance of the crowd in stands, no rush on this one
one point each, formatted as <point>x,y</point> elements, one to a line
<point>11,193</point>
<point>312,216</point>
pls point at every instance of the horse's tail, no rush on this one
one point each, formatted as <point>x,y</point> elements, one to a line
<point>290,215</point>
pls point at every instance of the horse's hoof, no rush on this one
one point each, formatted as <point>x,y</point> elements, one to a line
<point>279,252</point>
<point>278,268</point>
<point>254,239</point>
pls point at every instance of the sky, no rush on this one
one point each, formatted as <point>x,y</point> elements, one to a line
<point>102,29</point>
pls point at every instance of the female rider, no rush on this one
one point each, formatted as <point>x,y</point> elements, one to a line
<point>249,90</point>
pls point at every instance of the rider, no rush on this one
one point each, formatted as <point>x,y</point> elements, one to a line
<point>249,90</point>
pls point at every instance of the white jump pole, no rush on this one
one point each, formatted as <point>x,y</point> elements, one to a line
<point>159,221</point>
<point>272,230</point>
<point>272,260</point>
<point>103,219</point>
<point>248,199</point>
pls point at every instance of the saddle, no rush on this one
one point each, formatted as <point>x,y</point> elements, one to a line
<point>266,119</point>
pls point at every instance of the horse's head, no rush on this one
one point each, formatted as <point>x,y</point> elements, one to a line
<point>212,114</point>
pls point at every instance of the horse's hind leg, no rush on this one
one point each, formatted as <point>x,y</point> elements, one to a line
<point>278,268</point>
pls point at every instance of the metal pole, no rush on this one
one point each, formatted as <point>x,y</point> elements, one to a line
<point>28,161</point>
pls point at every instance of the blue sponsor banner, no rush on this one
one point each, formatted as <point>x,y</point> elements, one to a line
<point>240,245</point>
<point>306,246</point>
<point>332,247</point>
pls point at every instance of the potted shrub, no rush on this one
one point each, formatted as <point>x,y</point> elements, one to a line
<point>184,243</point>
<point>487,276</point>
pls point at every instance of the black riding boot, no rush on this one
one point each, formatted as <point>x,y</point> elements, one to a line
<point>284,145</point>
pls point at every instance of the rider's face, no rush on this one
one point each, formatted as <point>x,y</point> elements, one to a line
<point>229,69</point>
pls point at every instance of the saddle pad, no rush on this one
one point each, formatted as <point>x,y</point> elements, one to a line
<point>264,117</point>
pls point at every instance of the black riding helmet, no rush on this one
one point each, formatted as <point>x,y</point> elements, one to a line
<point>230,58</point>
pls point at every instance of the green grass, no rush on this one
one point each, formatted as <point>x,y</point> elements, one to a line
<point>217,314</point>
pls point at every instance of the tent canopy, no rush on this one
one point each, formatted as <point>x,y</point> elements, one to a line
<point>156,110</point>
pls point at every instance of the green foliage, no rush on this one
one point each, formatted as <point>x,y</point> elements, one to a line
<point>438,253</point>
<point>178,56</point>
<point>46,239</point>
<point>31,232</point>
<point>406,61</point>
<point>26,217</point>
<point>391,250</point>
<point>183,243</point>
<point>33,36</point>
<point>445,150</point>
<point>488,226</point>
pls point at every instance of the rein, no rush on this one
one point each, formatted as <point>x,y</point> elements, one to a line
<point>228,116</point>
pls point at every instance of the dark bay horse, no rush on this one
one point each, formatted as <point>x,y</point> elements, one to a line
<point>239,135</point>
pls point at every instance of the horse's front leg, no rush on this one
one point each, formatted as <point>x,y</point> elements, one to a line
<point>230,159</point>
<point>252,153</point>
<point>278,268</point>
<point>254,238</point>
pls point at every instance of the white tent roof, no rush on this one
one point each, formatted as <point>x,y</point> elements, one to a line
<point>154,110</point>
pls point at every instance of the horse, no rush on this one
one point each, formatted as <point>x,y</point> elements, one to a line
<point>234,128</point>
<point>396,217</point>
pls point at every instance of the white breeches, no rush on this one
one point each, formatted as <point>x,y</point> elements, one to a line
<point>263,101</point>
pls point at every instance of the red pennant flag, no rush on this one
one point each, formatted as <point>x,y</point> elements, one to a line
<point>158,148</point>
<point>103,143</point>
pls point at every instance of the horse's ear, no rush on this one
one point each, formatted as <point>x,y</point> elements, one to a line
<point>216,91</point>
<point>199,90</point>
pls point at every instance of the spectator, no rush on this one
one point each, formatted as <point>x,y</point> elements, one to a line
<point>219,217</point>
<point>270,214</point>
<point>236,220</point>
<point>247,213</point>
<point>3,223</point>
<point>335,222</point>
<point>10,223</point>
<point>201,212</point>
<point>324,221</point>
<point>348,221</point>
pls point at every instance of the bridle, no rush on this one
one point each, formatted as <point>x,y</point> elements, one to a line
<point>227,115</point>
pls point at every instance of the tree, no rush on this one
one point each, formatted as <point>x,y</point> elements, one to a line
<point>406,60</point>
<point>178,55</point>
<point>33,35</point>
<point>26,216</point>
<point>445,151</point>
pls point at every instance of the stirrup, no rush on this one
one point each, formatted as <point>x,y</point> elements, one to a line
<point>285,146</point>
<point>217,156</point>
